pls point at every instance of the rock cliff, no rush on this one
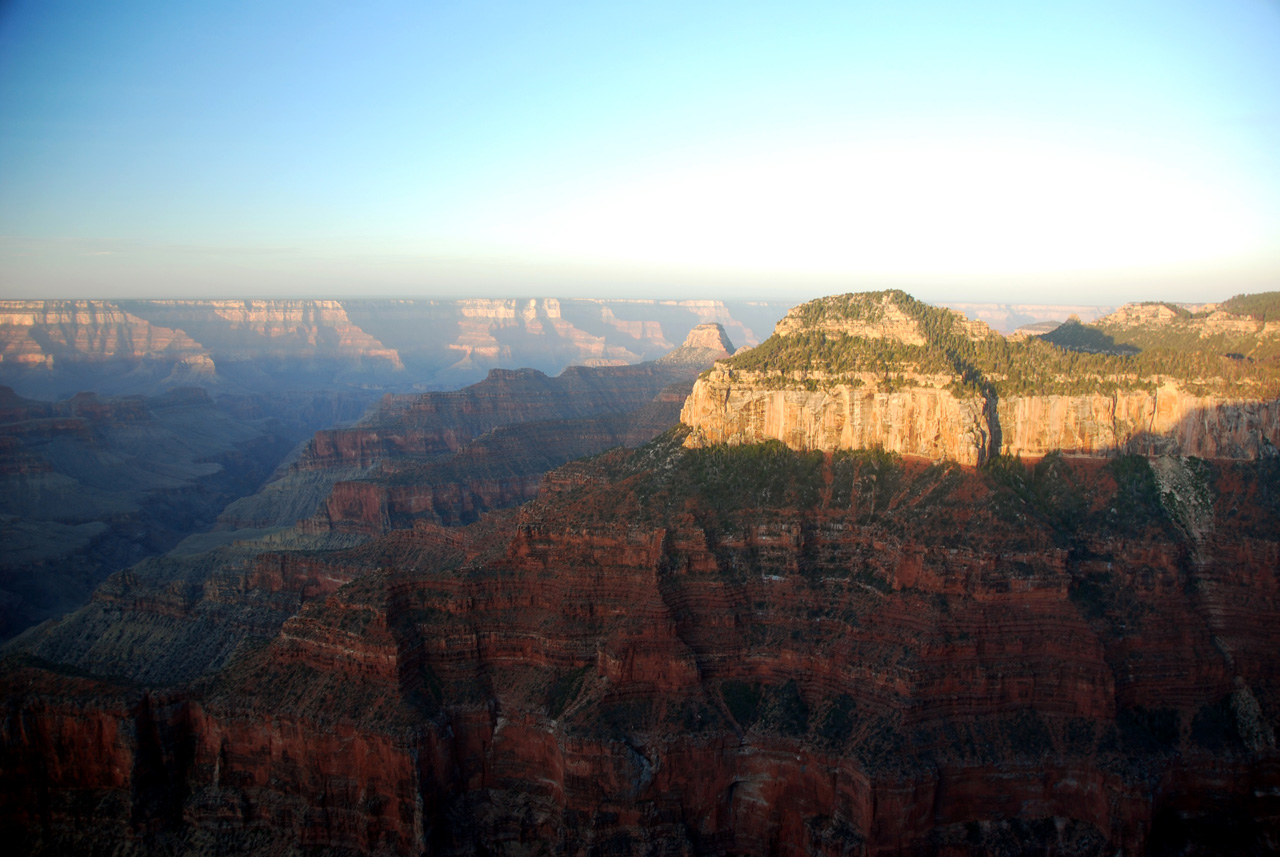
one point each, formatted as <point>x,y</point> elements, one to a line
<point>705,344</point>
<point>720,651</point>
<point>839,397</point>
<point>737,407</point>
<point>450,456</point>
<point>432,424</point>
<point>56,348</point>
<point>42,333</point>
<point>927,419</point>
<point>498,469</point>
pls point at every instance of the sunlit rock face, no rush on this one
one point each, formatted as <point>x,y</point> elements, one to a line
<point>40,333</point>
<point>705,344</point>
<point>711,336</point>
<point>963,414</point>
<point>51,348</point>
<point>1169,421</point>
<point>735,407</point>
<point>927,420</point>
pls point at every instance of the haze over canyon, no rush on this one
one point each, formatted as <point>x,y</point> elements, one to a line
<point>886,581</point>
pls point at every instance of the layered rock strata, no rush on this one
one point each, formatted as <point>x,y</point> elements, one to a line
<point>695,651</point>
<point>501,468</point>
<point>451,456</point>
<point>434,424</point>
<point>927,419</point>
<point>56,348</point>
<point>965,413</point>
<point>737,407</point>
<point>694,648</point>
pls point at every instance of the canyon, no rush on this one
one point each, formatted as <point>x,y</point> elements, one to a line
<point>91,485</point>
<point>885,626</point>
<point>54,349</point>
<point>730,650</point>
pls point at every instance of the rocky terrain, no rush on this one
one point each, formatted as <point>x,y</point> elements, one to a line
<point>689,647</point>
<point>93,484</point>
<point>54,349</point>
<point>455,454</point>
<point>731,650</point>
<point>923,381</point>
<point>1009,318</point>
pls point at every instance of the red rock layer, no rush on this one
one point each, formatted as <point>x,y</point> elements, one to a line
<point>720,652</point>
<point>500,469</point>
<point>431,425</point>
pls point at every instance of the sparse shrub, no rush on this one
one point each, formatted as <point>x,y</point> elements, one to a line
<point>1076,359</point>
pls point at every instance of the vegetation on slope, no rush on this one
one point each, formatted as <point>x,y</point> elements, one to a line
<point>1075,336</point>
<point>1195,332</point>
<point>1263,306</point>
<point>1076,360</point>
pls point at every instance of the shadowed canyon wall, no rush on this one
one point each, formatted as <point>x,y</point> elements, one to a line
<point>719,651</point>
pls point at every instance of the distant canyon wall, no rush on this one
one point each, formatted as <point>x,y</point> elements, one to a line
<point>51,348</point>
<point>1008,317</point>
<point>926,419</point>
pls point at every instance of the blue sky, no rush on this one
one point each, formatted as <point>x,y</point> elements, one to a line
<point>1053,152</point>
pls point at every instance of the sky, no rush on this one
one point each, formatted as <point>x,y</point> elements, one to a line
<point>1053,152</point>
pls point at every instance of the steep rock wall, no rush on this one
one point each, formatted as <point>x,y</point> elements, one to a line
<point>259,345</point>
<point>728,407</point>
<point>1168,421</point>
<point>434,424</point>
<point>908,666</point>
<point>927,419</point>
<point>40,333</point>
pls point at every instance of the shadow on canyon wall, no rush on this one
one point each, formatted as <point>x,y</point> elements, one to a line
<point>730,650</point>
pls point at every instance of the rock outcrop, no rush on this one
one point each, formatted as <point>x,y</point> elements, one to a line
<point>704,345</point>
<point>1243,325</point>
<point>737,407</point>
<point>962,413</point>
<point>929,420</point>
<point>432,424</point>
<point>450,456</point>
<point>42,333</point>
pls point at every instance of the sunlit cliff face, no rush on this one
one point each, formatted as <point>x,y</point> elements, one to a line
<point>918,405</point>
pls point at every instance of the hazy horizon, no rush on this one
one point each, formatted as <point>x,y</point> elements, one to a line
<point>1084,153</point>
